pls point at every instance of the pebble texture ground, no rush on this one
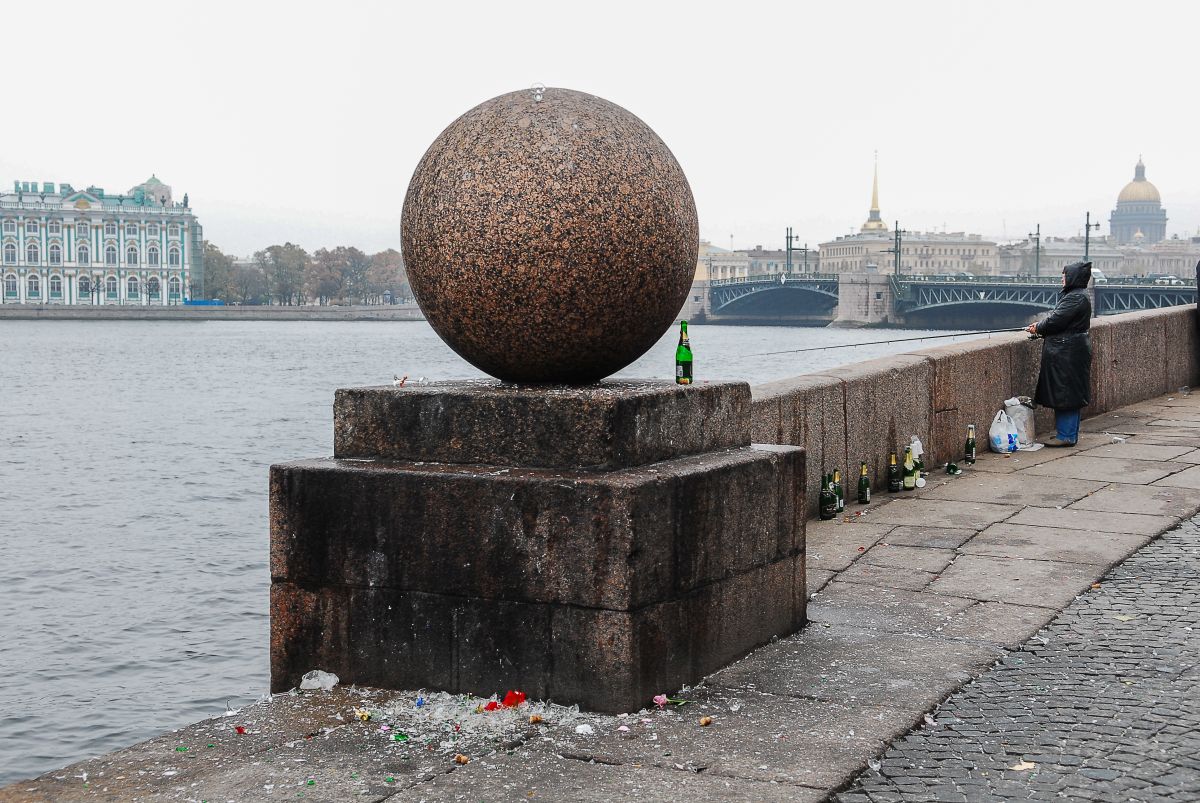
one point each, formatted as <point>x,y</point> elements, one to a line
<point>912,600</point>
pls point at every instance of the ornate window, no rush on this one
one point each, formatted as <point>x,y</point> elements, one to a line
<point>85,286</point>
<point>173,286</point>
<point>10,285</point>
<point>110,287</point>
<point>81,230</point>
<point>33,286</point>
<point>54,228</point>
<point>110,229</point>
<point>110,254</point>
<point>31,254</point>
<point>131,255</point>
<point>56,286</point>
<point>131,287</point>
<point>131,230</point>
<point>31,227</point>
<point>84,255</point>
<point>152,256</point>
<point>153,289</point>
<point>55,254</point>
<point>152,230</point>
<point>173,257</point>
<point>10,253</point>
<point>173,230</point>
<point>10,226</point>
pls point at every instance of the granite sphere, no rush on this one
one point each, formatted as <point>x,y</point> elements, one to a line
<point>550,237</point>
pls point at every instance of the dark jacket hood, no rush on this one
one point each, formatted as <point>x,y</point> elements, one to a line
<point>1078,276</point>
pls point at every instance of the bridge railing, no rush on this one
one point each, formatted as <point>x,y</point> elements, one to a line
<point>774,277</point>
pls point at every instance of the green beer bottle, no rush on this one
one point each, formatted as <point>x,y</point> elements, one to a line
<point>910,470</point>
<point>895,481</point>
<point>683,357</point>
<point>837,490</point>
<point>827,502</point>
<point>969,452</point>
<point>864,486</point>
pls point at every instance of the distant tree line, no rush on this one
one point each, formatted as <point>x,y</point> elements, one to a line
<point>288,275</point>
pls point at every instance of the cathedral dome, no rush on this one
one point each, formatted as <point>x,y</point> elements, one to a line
<point>1139,190</point>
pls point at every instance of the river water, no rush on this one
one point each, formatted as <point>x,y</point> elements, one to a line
<point>133,501</point>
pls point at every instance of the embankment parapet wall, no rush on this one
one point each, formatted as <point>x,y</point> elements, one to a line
<point>62,312</point>
<point>868,410</point>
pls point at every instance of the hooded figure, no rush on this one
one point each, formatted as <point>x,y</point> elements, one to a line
<point>1064,381</point>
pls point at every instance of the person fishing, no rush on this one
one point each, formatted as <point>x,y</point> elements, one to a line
<point>1064,381</point>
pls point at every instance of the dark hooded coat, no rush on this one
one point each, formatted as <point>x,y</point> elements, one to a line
<point>1064,381</point>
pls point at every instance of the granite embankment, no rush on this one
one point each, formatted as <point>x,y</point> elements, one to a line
<point>58,312</point>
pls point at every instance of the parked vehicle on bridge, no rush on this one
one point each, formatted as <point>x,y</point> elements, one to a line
<point>1098,276</point>
<point>1159,278</point>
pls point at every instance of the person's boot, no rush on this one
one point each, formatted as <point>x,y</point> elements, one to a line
<point>1055,442</point>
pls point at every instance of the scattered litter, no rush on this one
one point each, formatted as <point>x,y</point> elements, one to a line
<point>874,764</point>
<point>623,728</point>
<point>240,730</point>
<point>535,719</point>
<point>459,758</point>
<point>180,749</point>
<point>1115,438</point>
<point>362,714</point>
<point>1022,766</point>
<point>585,729</point>
<point>661,700</point>
<point>317,679</point>
<point>400,736</point>
<point>705,721</point>
<point>1095,585</point>
<point>1120,617</point>
<point>1185,391</point>
<point>399,381</point>
<point>930,721</point>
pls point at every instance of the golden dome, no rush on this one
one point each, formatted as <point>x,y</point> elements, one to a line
<point>1139,190</point>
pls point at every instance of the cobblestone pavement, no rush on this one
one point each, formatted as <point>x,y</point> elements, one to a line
<point>1102,704</point>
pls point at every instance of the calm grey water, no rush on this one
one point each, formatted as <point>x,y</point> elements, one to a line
<point>133,501</point>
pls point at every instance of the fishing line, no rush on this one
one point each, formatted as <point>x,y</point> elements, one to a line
<point>883,342</point>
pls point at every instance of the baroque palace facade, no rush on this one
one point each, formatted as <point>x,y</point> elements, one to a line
<point>59,245</point>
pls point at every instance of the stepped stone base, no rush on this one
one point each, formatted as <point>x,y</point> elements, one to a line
<point>597,587</point>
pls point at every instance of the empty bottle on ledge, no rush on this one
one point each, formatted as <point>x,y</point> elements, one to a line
<point>838,491</point>
<point>827,502</point>
<point>969,451</point>
<point>910,470</point>
<point>894,479</point>
<point>683,357</point>
<point>864,486</point>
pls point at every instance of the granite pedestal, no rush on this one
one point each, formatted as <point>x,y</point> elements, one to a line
<point>592,545</point>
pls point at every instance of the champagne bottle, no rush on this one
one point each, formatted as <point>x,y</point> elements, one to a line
<point>837,490</point>
<point>827,501</point>
<point>864,486</point>
<point>910,470</point>
<point>895,481</point>
<point>683,357</point>
<point>969,452</point>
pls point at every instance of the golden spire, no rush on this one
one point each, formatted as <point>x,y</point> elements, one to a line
<point>874,221</point>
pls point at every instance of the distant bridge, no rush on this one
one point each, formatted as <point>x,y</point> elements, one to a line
<point>775,295</point>
<point>922,294</point>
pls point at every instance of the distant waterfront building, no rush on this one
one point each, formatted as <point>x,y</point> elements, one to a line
<point>59,245</point>
<point>1139,216</point>
<point>920,252</point>
<point>1022,259</point>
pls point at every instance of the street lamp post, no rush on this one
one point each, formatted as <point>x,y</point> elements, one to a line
<point>1087,231</point>
<point>792,238</point>
<point>1036,236</point>
<point>896,249</point>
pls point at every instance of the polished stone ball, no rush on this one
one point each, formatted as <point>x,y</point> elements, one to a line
<point>549,237</point>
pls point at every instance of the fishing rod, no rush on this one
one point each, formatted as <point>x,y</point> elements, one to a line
<point>882,342</point>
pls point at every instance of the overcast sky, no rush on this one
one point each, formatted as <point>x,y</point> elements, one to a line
<point>304,121</point>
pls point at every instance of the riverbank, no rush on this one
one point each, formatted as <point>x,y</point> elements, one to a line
<point>62,312</point>
<point>909,602</point>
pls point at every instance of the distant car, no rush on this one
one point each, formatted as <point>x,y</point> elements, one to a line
<point>1173,281</point>
<point>1098,276</point>
<point>964,277</point>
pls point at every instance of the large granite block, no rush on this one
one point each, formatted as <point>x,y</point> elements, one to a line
<point>970,383</point>
<point>604,660</point>
<point>887,401</point>
<point>617,540</point>
<point>614,424</point>
<point>812,414</point>
<point>1182,352</point>
<point>1138,358</point>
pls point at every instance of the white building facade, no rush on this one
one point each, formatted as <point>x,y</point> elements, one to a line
<point>59,245</point>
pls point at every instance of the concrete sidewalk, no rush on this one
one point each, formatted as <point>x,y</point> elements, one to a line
<point>909,601</point>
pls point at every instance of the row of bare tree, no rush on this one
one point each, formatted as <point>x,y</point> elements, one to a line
<point>287,274</point>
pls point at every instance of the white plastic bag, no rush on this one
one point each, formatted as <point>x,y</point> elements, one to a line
<point>1022,417</point>
<point>1002,436</point>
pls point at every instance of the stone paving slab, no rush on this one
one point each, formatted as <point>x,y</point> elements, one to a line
<point>1041,583</point>
<point>925,559</point>
<point>843,664</point>
<point>1136,450</point>
<point>1001,623</point>
<point>834,545</point>
<point>1014,489</point>
<point>1188,478</point>
<point>816,579</point>
<point>1093,521</point>
<point>1148,499</point>
<point>935,537</point>
<point>1079,467</point>
<point>942,513</point>
<point>889,610</point>
<point>1048,543</point>
<point>887,576</point>
<point>1192,456</point>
